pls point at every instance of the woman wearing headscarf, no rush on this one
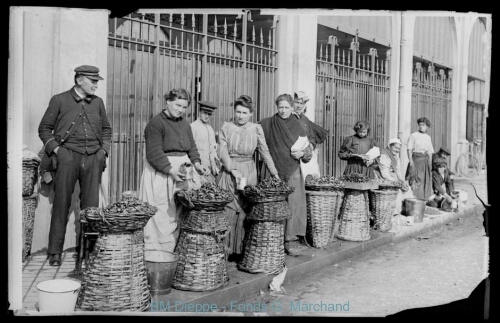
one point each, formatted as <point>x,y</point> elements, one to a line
<point>388,169</point>
<point>355,147</point>
<point>281,132</point>
<point>238,142</point>
<point>420,150</point>
<point>169,145</point>
<point>315,133</point>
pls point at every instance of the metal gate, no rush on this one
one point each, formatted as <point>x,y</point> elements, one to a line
<point>349,86</point>
<point>431,98</point>
<point>215,58</point>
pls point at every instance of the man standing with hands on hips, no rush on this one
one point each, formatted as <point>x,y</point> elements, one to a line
<point>76,136</point>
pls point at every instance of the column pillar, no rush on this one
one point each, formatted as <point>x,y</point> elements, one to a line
<point>405,83</point>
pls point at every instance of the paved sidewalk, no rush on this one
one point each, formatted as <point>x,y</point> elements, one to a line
<point>241,284</point>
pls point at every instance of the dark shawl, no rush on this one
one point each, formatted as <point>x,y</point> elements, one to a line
<point>280,136</point>
<point>316,133</point>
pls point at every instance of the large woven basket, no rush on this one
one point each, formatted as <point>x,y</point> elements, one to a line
<point>382,206</point>
<point>270,211</point>
<point>202,262</point>
<point>207,205</point>
<point>204,220</point>
<point>114,222</point>
<point>322,187</point>
<point>30,175</point>
<point>115,278</point>
<point>264,250</point>
<point>322,211</point>
<point>268,195</point>
<point>29,206</point>
<point>354,216</point>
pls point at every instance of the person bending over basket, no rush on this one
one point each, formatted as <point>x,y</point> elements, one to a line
<point>442,198</point>
<point>169,145</point>
<point>442,155</point>
<point>355,149</point>
<point>238,141</point>
<point>282,132</point>
<point>388,169</point>
<point>420,152</point>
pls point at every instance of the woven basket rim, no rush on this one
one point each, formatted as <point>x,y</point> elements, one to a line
<point>323,185</point>
<point>335,192</point>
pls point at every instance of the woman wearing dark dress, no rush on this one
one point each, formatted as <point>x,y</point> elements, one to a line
<point>281,131</point>
<point>358,144</point>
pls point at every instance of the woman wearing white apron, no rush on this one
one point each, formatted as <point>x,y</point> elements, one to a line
<point>169,144</point>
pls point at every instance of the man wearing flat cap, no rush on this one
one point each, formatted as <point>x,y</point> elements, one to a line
<point>76,139</point>
<point>443,195</point>
<point>442,156</point>
<point>204,137</point>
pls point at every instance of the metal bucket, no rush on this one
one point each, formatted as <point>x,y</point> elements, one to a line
<point>161,270</point>
<point>58,295</point>
<point>416,208</point>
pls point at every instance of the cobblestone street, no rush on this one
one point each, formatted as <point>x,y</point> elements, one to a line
<point>429,269</point>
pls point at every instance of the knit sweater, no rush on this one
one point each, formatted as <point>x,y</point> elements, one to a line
<point>165,135</point>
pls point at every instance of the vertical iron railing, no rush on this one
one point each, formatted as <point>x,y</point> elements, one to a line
<point>431,98</point>
<point>214,58</point>
<point>349,86</point>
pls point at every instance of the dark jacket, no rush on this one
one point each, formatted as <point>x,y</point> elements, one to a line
<point>58,122</point>
<point>438,180</point>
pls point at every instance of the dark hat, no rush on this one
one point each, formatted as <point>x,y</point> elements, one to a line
<point>445,150</point>
<point>205,105</point>
<point>91,72</point>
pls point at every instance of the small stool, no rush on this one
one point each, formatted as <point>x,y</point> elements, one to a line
<point>86,235</point>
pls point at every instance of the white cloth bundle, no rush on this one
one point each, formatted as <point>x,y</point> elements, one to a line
<point>301,144</point>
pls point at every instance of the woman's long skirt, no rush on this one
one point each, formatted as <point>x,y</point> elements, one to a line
<point>420,177</point>
<point>161,231</point>
<point>237,210</point>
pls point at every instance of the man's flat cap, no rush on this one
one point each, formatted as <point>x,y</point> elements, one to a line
<point>89,71</point>
<point>446,150</point>
<point>205,105</point>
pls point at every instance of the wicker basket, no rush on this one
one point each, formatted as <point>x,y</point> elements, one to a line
<point>115,278</point>
<point>114,223</point>
<point>29,206</point>
<point>382,205</point>
<point>354,216</point>
<point>322,211</point>
<point>268,195</point>
<point>322,187</point>
<point>30,175</point>
<point>207,205</point>
<point>270,211</point>
<point>264,250</point>
<point>204,221</point>
<point>202,262</point>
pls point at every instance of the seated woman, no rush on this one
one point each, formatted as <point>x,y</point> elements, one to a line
<point>442,198</point>
<point>358,144</point>
<point>281,132</point>
<point>388,169</point>
<point>238,141</point>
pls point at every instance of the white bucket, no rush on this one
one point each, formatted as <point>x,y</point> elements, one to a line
<point>58,295</point>
<point>462,195</point>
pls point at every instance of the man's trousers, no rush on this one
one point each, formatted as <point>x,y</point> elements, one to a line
<point>73,167</point>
